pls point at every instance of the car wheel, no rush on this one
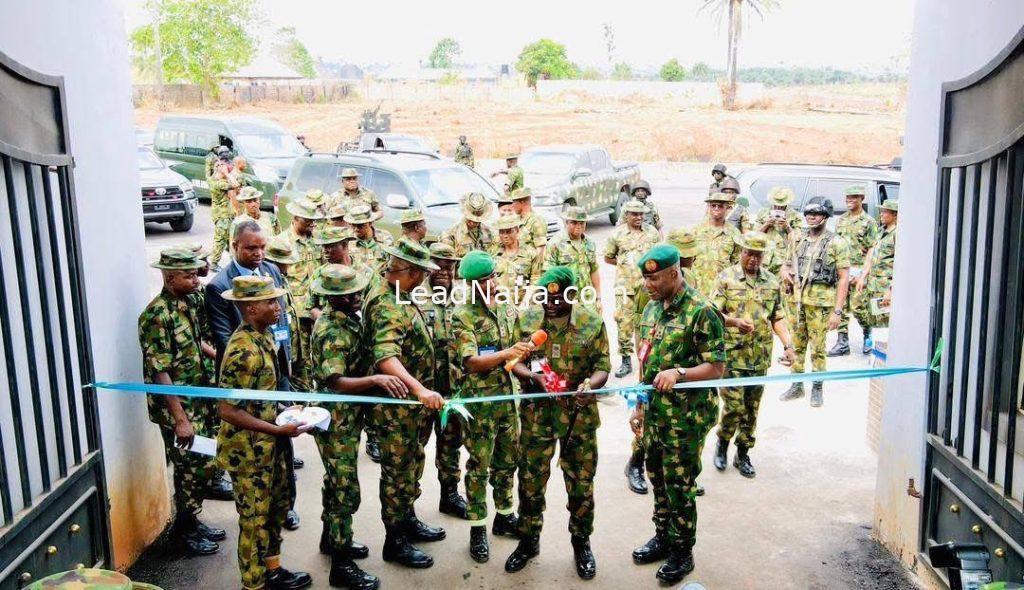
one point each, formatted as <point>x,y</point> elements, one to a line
<point>184,223</point>
<point>616,213</point>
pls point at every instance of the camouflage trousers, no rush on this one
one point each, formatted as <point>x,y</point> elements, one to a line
<point>221,237</point>
<point>193,473</point>
<point>844,321</point>
<point>739,409</point>
<point>545,422</point>
<point>339,450</point>
<point>261,498</point>
<point>625,315</point>
<point>447,443</point>
<point>861,308</point>
<point>401,458</point>
<point>809,331</point>
<point>673,464</point>
<point>492,440</point>
<point>637,446</point>
<point>302,362</point>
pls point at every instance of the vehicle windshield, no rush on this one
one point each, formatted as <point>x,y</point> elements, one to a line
<point>446,186</point>
<point>546,163</point>
<point>277,145</point>
<point>149,161</point>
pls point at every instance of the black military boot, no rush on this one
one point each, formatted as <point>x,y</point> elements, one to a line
<point>795,391</point>
<point>417,530</point>
<point>817,394</point>
<point>298,463</point>
<point>186,531</point>
<point>586,565</point>
<point>451,502</point>
<point>211,533</point>
<point>868,344</point>
<point>357,550</point>
<point>677,566</point>
<point>398,549</point>
<point>635,472</point>
<point>220,489</point>
<point>626,367</point>
<point>346,574</point>
<point>325,540</point>
<point>742,462</point>
<point>527,549</point>
<point>841,347</point>
<point>722,454</point>
<point>479,548</point>
<point>505,525</point>
<point>654,550</point>
<point>282,579</point>
<point>291,520</point>
<point>372,449</point>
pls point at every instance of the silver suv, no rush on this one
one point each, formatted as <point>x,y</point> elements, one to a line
<point>809,180</point>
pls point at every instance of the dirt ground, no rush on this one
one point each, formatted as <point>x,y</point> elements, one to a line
<point>846,124</point>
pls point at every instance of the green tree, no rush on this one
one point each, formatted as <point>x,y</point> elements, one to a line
<point>590,73</point>
<point>200,40</point>
<point>672,71</point>
<point>733,9</point>
<point>622,71</point>
<point>293,53</point>
<point>702,72</point>
<point>545,59</point>
<point>444,54</point>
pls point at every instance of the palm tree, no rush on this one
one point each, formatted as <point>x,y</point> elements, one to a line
<point>734,10</point>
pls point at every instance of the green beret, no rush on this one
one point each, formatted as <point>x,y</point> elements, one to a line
<point>557,278</point>
<point>659,257</point>
<point>476,265</point>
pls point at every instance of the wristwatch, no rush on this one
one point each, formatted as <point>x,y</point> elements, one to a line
<point>682,373</point>
<point>838,312</point>
<point>789,347</point>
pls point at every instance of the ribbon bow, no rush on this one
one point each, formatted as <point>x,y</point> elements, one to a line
<point>453,405</point>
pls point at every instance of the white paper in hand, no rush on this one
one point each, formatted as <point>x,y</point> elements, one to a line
<point>204,445</point>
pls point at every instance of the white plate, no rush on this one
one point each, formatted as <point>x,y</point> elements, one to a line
<point>314,416</point>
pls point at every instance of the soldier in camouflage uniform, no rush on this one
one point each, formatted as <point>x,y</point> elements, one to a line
<point>171,337</point>
<point>860,230</point>
<point>399,343</point>
<point>533,235</point>
<point>250,444</point>
<point>719,174</point>
<point>577,350</point>
<point>220,210</point>
<point>464,153</point>
<point>414,225</point>
<point>250,197</point>
<point>750,300</point>
<point>716,243</point>
<point>876,282</point>
<point>335,243</point>
<point>335,215</point>
<point>816,274</point>
<point>624,247</point>
<point>682,340</point>
<point>572,248</point>
<point>505,204</point>
<point>513,174</point>
<point>516,266</point>
<point>340,364</point>
<point>739,216</point>
<point>351,194</point>
<point>370,243</point>
<point>781,224</point>
<point>300,276</point>
<point>484,333</point>
<point>471,232</point>
<point>642,192</point>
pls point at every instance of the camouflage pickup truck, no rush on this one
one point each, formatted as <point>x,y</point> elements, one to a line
<point>583,175</point>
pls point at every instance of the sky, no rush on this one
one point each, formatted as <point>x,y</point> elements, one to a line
<point>862,35</point>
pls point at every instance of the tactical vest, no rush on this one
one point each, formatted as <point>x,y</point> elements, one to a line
<point>815,264</point>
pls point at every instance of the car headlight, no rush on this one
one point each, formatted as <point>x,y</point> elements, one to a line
<point>265,173</point>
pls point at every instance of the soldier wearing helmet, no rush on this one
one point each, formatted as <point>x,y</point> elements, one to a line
<point>642,192</point>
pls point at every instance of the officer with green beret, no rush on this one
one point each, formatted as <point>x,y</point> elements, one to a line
<point>351,193</point>
<point>750,300</point>
<point>414,225</point>
<point>250,197</point>
<point>781,224</point>
<point>571,247</point>
<point>370,243</point>
<point>682,339</point>
<point>516,266</point>
<point>642,192</point>
<point>875,283</point>
<point>251,446</point>
<point>472,232</point>
<point>484,336</point>
<point>577,350</point>
<point>173,353</point>
<point>464,153</point>
<point>533,235</point>
<point>624,247</point>
<point>861,231</point>
<point>716,243</point>
<point>398,340</point>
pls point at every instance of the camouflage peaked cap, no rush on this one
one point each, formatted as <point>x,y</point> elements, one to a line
<point>178,259</point>
<point>315,196</point>
<point>410,251</point>
<point>781,196</point>
<point>252,288</point>
<point>439,250</point>
<point>333,234</point>
<point>508,222</point>
<point>856,190</point>
<point>249,193</point>
<point>95,579</point>
<point>350,173</point>
<point>361,214</point>
<point>891,205</point>
<point>476,207</point>
<point>721,198</point>
<point>279,250</point>
<point>337,210</point>
<point>634,206</point>
<point>685,241</point>
<point>338,279</point>
<point>752,240</point>
<point>522,193</point>
<point>411,216</point>
<point>305,209</point>
<point>575,213</point>
<point>201,251</point>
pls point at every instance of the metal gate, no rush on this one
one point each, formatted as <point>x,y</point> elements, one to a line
<point>975,452</point>
<point>53,506</point>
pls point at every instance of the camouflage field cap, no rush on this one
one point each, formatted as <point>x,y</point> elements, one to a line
<point>658,258</point>
<point>574,213</point>
<point>511,156</point>
<point>305,209</point>
<point>338,279</point>
<point>333,234</point>
<point>201,251</point>
<point>439,250</point>
<point>634,206</point>
<point>350,173</point>
<point>280,250</point>
<point>730,184</point>
<point>476,265</point>
<point>718,168</point>
<point>361,214</point>
<point>856,190</point>
<point>315,196</point>
<point>641,184</point>
<point>411,216</point>
<point>476,207</point>
<point>252,288</point>
<point>781,196</point>
<point>81,578</point>
<point>522,193</point>
<point>721,198</point>
<point>891,205</point>
<point>508,222</point>
<point>410,251</point>
<point>685,241</point>
<point>752,240</point>
<point>249,193</point>
<point>504,199</point>
<point>336,211</point>
<point>178,259</point>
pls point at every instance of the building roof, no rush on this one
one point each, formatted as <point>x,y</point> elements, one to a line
<point>265,66</point>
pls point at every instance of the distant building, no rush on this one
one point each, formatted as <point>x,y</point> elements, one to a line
<point>264,69</point>
<point>419,73</point>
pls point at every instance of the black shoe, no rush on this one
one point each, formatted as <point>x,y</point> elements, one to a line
<point>526,550</point>
<point>505,525</point>
<point>698,490</point>
<point>417,530</point>
<point>817,395</point>
<point>211,533</point>
<point>678,565</point>
<point>722,454</point>
<point>346,574</point>
<point>398,549</point>
<point>635,473</point>
<point>186,531</point>
<point>795,391</point>
<point>841,347</point>
<point>357,550</point>
<point>654,550</point>
<point>586,565</point>
<point>373,450</point>
<point>298,463</point>
<point>479,549</point>
<point>291,520</point>
<point>282,579</point>
<point>451,502</point>
<point>626,367</point>
<point>742,462</point>
<point>220,489</point>
<point>325,540</point>
<point>868,345</point>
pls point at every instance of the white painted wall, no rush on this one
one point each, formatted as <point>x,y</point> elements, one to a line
<point>85,43</point>
<point>951,39</point>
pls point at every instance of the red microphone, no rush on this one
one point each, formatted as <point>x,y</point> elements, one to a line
<point>538,339</point>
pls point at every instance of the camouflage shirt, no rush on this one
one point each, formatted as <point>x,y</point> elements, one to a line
<point>370,253</point>
<point>652,217</point>
<point>756,299</point>
<point>883,254</point>
<point>399,330</point>
<point>300,274</point>
<point>533,234</point>
<point>837,254</point>
<point>460,237</point>
<point>249,363</point>
<point>778,240</point>
<point>860,233</point>
<point>267,222</point>
<point>514,179</point>
<point>363,196</point>
<point>687,333</point>
<point>626,246</point>
<point>716,250</point>
<point>464,155</point>
<point>476,330</point>
<point>523,266</point>
<point>579,255</point>
<point>439,322</point>
<point>220,207</point>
